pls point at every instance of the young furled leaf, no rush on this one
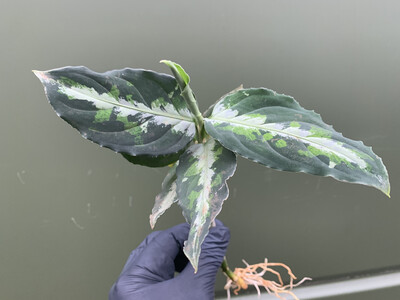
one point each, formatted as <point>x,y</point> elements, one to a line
<point>183,80</point>
<point>274,130</point>
<point>136,112</point>
<point>201,188</point>
<point>178,72</point>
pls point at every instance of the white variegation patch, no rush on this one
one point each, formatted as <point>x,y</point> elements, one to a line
<point>163,202</point>
<point>167,197</point>
<point>143,127</point>
<point>233,115</point>
<point>221,108</point>
<point>105,101</point>
<point>183,126</point>
<point>205,159</point>
<point>250,119</point>
<point>332,164</point>
<point>101,101</point>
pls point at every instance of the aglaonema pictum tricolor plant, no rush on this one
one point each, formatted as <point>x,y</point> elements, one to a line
<point>153,119</point>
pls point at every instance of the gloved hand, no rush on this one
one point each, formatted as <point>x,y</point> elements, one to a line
<point>149,272</point>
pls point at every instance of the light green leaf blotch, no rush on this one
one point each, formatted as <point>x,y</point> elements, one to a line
<point>69,82</point>
<point>193,197</point>
<point>281,143</point>
<point>249,133</point>
<point>217,180</point>
<point>218,152</point>
<point>124,119</point>
<point>332,157</point>
<point>129,98</point>
<point>136,132</point>
<point>102,115</point>
<point>159,102</point>
<point>257,116</point>
<point>319,132</point>
<point>193,170</point>
<point>305,153</point>
<point>267,136</point>
<point>114,92</point>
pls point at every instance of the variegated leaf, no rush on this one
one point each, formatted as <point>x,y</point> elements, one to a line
<point>201,187</point>
<point>167,197</point>
<point>131,111</point>
<point>274,130</point>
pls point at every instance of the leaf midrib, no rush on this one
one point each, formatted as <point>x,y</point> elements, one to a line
<point>207,171</point>
<point>178,117</point>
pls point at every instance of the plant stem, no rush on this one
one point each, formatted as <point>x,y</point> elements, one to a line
<point>228,272</point>
<point>188,95</point>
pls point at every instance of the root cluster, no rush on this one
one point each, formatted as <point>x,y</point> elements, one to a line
<point>253,275</point>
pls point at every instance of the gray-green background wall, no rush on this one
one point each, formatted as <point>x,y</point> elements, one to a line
<point>71,212</point>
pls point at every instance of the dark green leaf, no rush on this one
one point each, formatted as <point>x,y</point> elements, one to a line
<point>274,130</point>
<point>131,111</point>
<point>153,161</point>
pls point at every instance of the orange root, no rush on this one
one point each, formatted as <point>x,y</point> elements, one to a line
<point>253,275</point>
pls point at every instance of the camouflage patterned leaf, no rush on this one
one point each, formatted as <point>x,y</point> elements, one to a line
<point>132,111</point>
<point>201,188</point>
<point>274,130</point>
<point>167,197</point>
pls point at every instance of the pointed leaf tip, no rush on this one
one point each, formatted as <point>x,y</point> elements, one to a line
<point>387,192</point>
<point>37,73</point>
<point>41,75</point>
<point>166,198</point>
<point>152,222</point>
<point>193,261</point>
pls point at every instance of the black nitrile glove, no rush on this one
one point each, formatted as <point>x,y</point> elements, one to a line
<point>149,272</point>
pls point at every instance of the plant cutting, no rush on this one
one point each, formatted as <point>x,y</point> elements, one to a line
<point>153,120</point>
